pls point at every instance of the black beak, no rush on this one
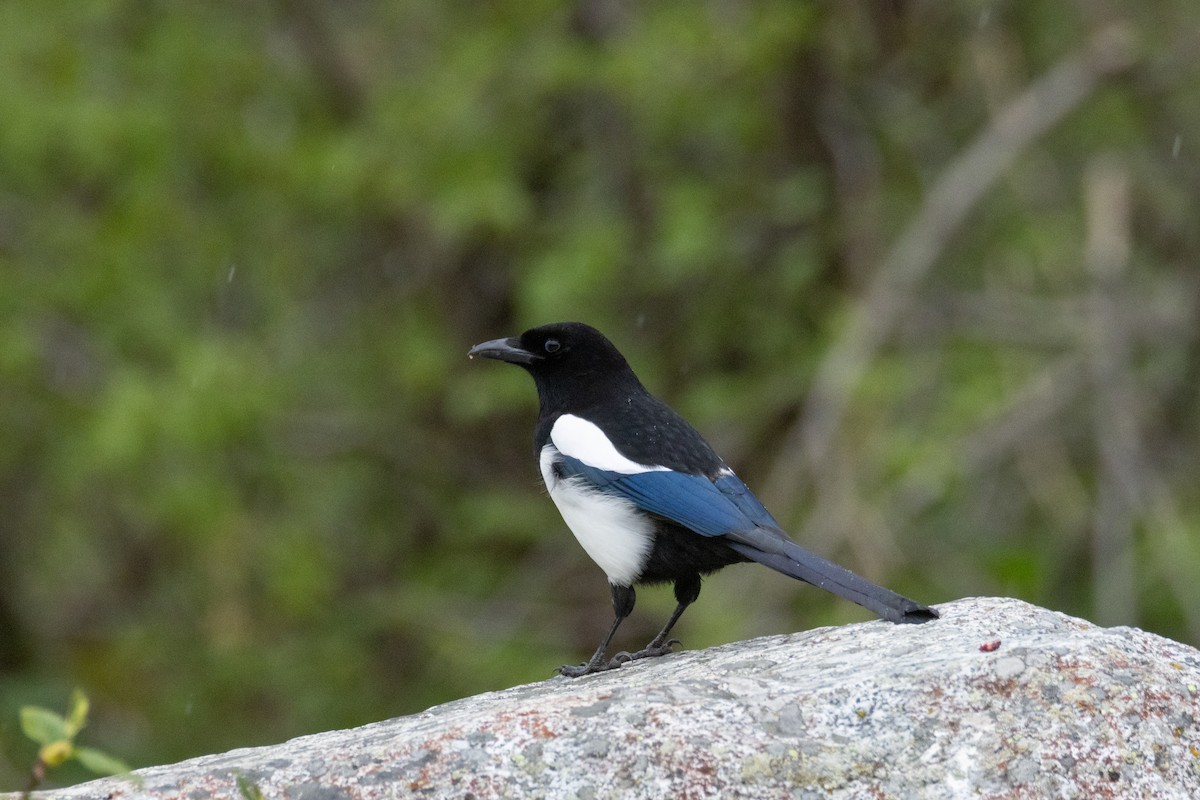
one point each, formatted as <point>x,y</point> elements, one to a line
<point>509,350</point>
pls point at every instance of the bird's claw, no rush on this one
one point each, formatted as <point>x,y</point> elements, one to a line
<point>649,651</point>
<point>579,670</point>
<point>596,665</point>
<point>654,652</point>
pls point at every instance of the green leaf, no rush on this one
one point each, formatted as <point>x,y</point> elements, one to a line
<point>43,725</point>
<point>100,763</point>
<point>79,713</point>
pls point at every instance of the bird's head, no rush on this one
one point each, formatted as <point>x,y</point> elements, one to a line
<point>561,357</point>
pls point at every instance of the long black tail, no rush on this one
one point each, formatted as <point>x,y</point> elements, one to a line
<point>775,550</point>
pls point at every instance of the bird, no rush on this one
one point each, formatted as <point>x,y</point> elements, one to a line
<point>645,495</point>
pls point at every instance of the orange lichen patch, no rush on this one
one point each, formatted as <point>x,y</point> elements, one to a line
<point>540,730</point>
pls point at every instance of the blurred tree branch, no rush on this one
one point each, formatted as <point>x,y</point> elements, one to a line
<point>1115,416</point>
<point>1129,487</point>
<point>964,182</point>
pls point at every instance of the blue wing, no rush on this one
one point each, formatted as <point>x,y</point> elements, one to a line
<point>708,507</point>
<point>725,507</point>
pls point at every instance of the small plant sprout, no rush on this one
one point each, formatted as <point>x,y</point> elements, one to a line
<point>56,736</point>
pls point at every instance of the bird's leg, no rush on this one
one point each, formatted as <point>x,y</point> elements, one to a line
<point>686,592</point>
<point>623,598</point>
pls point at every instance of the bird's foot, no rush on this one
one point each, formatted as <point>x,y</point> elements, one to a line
<point>598,664</point>
<point>651,650</point>
<point>593,666</point>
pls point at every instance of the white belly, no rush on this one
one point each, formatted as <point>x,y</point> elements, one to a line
<point>610,529</point>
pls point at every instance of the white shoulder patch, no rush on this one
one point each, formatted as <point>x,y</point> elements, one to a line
<point>576,437</point>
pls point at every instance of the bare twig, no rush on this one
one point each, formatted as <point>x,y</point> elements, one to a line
<point>1155,315</point>
<point>37,775</point>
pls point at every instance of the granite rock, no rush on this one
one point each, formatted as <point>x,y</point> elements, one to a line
<point>998,699</point>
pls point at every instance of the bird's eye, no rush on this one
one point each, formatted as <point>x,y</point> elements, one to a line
<point>552,345</point>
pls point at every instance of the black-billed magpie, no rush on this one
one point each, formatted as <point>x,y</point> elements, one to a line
<point>643,492</point>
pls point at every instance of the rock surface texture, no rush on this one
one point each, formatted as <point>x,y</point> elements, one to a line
<point>998,699</point>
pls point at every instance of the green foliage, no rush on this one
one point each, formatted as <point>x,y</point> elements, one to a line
<point>42,725</point>
<point>252,488</point>
<point>56,736</point>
